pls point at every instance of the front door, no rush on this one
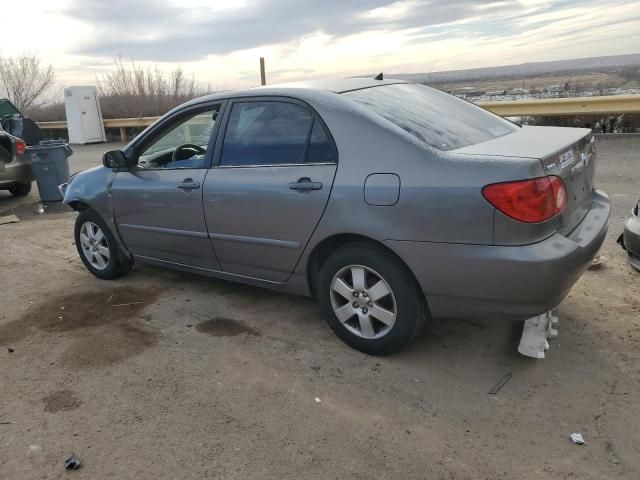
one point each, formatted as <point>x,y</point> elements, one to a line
<point>158,204</point>
<point>269,187</point>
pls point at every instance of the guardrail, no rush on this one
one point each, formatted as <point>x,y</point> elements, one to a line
<point>545,108</point>
<point>549,107</point>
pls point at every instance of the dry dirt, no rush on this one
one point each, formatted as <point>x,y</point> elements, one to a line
<point>168,375</point>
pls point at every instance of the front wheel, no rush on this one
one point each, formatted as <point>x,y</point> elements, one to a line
<point>97,247</point>
<point>370,299</point>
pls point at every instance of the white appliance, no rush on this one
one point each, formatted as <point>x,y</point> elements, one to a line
<point>84,117</point>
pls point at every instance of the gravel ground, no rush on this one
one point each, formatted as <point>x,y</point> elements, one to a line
<point>168,375</point>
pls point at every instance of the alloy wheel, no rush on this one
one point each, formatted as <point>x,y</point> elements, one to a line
<point>94,245</point>
<point>363,301</point>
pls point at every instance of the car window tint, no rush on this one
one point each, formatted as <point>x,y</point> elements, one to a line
<point>194,129</point>
<point>443,121</point>
<point>321,148</point>
<point>266,133</point>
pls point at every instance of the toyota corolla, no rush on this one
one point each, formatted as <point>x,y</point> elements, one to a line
<point>389,202</point>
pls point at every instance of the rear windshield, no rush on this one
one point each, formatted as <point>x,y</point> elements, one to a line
<point>443,121</point>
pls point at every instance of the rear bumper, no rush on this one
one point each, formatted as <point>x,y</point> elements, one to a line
<point>16,172</point>
<point>473,280</point>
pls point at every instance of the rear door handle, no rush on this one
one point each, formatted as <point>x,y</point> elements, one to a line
<point>188,184</point>
<point>305,184</point>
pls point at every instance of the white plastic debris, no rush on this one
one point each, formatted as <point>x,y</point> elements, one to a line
<point>535,333</point>
<point>318,400</point>
<point>577,438</point>
<point>598,261</point>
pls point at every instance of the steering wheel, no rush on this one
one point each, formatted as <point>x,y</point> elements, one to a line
<point>186,146</point>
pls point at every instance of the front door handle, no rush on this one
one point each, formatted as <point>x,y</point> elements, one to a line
<point>305,184</point>
<point>188,184</point>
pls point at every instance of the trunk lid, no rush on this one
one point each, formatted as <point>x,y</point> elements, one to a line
<point>568,153</point>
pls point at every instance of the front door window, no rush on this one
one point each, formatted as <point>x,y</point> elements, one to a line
<point>184,145</point>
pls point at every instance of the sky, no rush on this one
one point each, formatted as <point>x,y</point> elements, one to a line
<point>219,42</point>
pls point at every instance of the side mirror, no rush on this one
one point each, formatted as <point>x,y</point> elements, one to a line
<point>116,159</point>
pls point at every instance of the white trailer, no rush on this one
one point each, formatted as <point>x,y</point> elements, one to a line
<point>84,116</point>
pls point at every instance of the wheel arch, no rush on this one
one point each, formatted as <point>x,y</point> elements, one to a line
<point>78,205</point>
<point>324,248</point>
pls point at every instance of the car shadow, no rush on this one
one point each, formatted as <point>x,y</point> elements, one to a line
<point>491,340</point>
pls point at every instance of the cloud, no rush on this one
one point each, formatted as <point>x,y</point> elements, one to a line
<point>158,30</point>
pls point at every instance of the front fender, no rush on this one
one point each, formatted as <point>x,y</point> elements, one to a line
<point>92,188</point>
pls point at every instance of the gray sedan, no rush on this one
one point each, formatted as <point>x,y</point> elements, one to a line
<point>389,202</point>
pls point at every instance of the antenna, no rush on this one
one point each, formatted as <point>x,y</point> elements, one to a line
<point>379,77</point>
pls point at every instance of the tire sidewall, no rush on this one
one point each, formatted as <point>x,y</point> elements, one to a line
<point>20,189</point>
<point>113,270</point>
<point>410,310</point>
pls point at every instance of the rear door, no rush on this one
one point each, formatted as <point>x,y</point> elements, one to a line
<point>269,186</point>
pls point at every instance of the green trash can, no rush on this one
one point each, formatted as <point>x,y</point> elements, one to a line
<point>50,164</point>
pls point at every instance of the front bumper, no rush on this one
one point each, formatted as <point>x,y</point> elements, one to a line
<point>479,280</point>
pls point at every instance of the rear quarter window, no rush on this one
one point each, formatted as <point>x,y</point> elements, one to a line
<point>440,120</point>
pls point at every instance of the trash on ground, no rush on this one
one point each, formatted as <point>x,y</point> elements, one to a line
<point>126,304</point>
<point>598,261</point>
<point>577,438</point>
<point>535,333</point>
<point>7,423</point>
<point>9,219</point>
<point>72,462</point>
<point>11,350</point>
<point>318,400</point>
<point>501,383</point>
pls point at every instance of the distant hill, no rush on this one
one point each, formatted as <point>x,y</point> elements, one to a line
<point>524,69</point>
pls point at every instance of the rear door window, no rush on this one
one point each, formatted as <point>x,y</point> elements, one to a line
<point>321,147</point>
<point>266,133</point>
<point>440,120</point>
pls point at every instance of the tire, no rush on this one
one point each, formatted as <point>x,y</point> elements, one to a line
<point>20,189</point>
<point>98,248</point>
<point>404,299</point>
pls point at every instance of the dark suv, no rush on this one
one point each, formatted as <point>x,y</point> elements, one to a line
<point>16,176</point>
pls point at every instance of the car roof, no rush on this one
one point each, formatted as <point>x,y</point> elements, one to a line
<point>341,85</point>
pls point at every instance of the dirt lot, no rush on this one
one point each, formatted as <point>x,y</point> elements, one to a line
<point>169,375</point>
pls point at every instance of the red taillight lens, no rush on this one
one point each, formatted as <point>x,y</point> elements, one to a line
<point>21,147</point>
<point>529,201</point>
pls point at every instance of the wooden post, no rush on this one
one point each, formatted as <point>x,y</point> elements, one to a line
<point>263,77</point>
<point>123,134</point>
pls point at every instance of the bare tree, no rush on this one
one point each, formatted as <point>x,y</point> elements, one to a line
<point>130,90</point>
<point>25,80</point>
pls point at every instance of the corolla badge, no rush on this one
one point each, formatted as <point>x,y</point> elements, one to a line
<point>567,158</point>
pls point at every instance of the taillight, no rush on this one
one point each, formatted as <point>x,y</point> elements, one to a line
<point>21,147</point>
<point>529,201</point>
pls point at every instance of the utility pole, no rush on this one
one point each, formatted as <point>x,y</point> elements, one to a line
<point>263,77</point>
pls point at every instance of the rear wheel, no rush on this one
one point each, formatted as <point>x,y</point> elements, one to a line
<point>370,299</point>
<point>20,189</point>
<point>97,247</point>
